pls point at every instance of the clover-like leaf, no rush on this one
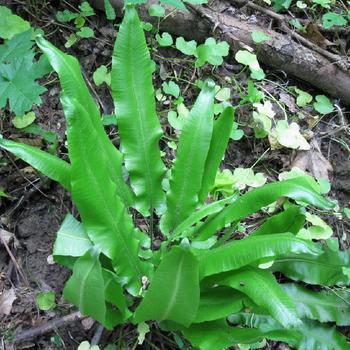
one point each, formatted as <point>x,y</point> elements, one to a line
<point>171,88</point>
<point>164,40</point>
<point>212,52</point>
<point>303,97</point>
<point>101,75</point>
<point>323,105</point>
<point>186,47</point>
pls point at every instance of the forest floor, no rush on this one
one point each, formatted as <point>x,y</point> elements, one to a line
<point>36,206</point>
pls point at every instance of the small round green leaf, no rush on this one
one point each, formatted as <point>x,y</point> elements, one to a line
<point>45,300</point>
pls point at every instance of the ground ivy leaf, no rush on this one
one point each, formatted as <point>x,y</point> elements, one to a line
<point>318,230</point>
<point>248,59</point>
<point>85,32</point>
<point>86,9</point>
<point>156,10</point>
<point>303,97</point>
<point>72,39</point>
<point>223,94</point>
<point>236,134</point>
<point>332,19</point>
<point>164,40</point>
<point>323,105</point>
<point>23,121</point>
<point>66,16</point>
<point>171,88</point>
<point>212,52</point>
<point>260,37</point>
<point>10,24</point>
<point>45,300</point>
<point>101,75</point>
<point>186,47</point>
<point>288,135</point>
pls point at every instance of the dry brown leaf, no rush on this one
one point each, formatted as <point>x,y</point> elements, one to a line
<point>289,101</point>
<point>7,298</point>
<point>313,161</point>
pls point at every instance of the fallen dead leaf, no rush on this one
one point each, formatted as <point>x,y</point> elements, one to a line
<point>289,101</point>
<point>7,298</point>
<point>313,161</point>
<point>5,236</point>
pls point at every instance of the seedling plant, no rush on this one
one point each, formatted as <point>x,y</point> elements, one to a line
<point>207,282</point>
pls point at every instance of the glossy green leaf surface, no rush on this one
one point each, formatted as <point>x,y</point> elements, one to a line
<point>51,166</point>
<point>291,220</point>
<point>239,253</point>
<point>187,171</point>
<point>218,335</point>
<point>324,306</point>
<point>201,213</point>
<point>105,217</point>
<point>173,293</point>
<point>74,89</point>
<point>221,135</point>
<point>71,240</point>
<point>262,287</point>
<point>94,190</point>
<point>138,124</point>
<point>252,201</point>
<point>311,335</point>
<point>217,303</point>
<point>85,290</point>
<point>325,269</point>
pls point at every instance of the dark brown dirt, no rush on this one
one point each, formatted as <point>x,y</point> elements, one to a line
<point>39,206</point>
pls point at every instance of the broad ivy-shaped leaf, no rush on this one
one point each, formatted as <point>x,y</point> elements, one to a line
<point>297,189</point>
<point>332,19</point>
<point>138,123</point>
<point>187,171</point>
<point>239,253</point>
<point>18,85</point>
<point>173,293</point>
<point>85,289</point>
<point>10,24</point>
<point>303,97</point>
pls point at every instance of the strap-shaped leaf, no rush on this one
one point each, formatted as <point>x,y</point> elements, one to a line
<point>51,166</point>
<point>184,229</point>
<point>217,303</point>
<point>262,287</point>
<point>174,290</point>
<point>325,269</point>
<point>310,336</point>
<point>221,135</point>
<point>103,213</point>
<point>187,171</point>
<point>218,335</point>
<point>85,289</point>
<point>324,306</point>
<point>252,201</point>
<point>138,123</point>
<point>239,253</point>
<point>291,220</point>
<point>74,88</point>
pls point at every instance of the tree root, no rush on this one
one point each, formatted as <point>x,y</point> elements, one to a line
<point>290,52</point>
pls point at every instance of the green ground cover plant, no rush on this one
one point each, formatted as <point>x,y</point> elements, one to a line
<point>285,281</point>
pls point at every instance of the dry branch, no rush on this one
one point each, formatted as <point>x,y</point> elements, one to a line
<point>285,52</point>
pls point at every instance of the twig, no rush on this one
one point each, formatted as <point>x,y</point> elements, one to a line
<point>15,263</point>
<point>48,326</point>
<point>97,336</point>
